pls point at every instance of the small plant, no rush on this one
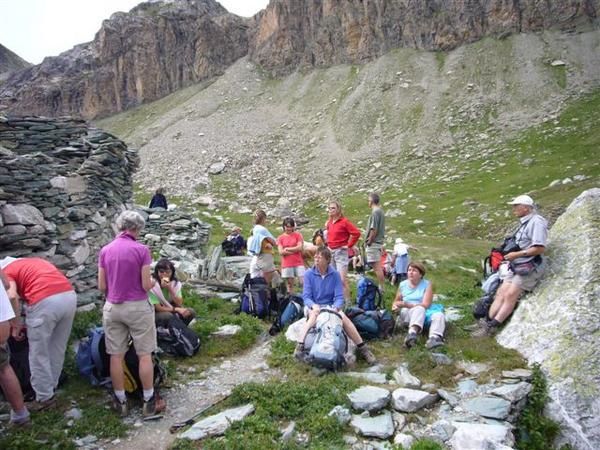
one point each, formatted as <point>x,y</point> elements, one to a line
<point>534,430</point>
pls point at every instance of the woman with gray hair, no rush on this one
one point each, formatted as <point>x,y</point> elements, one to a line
<point>124,277</point>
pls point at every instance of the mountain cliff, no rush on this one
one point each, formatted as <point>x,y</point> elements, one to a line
<point>162,46</point>
<point>136,57</point>
<point>10,62</point>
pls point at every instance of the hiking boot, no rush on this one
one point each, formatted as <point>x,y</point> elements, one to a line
<point>121,408</point>
<point>37,406</point>
<point>410,340</point>
<point>486,330</point>
<point>155,405</point>
<point>367,355</point>
<point>433,342</point>
<point>300,352</point>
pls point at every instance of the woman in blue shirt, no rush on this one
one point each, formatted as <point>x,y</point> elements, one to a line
<point>414,300</point>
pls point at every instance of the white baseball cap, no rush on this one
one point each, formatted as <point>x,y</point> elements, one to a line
<point>399,240</point>
<point>522,200</point>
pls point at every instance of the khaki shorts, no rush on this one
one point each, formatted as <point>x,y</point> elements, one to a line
<point>261,264</point>
<point>373,253</point>
<point>4,355</point>
<point>292,272</point>
<point>525,282</point>
<point>339,259</point>
<point>133,318</point>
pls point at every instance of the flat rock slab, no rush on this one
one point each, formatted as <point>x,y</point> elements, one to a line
<point>217,425</point>
<point>227,330</point>
<point>467,387</point>
<point>381,426</point>
<point>477,436</point>
<point>369,398</point>
<point>405,379</point>
<point>513,392</point>
<point>411,400</point>
<point>487,406</point>
<point>522,374</point>
<point>473,368</point>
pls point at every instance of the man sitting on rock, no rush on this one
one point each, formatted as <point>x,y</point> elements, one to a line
<point>323,287</point>
<point>525,264</point>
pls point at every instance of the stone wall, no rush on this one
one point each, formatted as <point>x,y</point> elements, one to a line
<point>558,325</point>
<point>61,185</point>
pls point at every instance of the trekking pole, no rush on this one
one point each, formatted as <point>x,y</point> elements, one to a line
<point>179,425</point>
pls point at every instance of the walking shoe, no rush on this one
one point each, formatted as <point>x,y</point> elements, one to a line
<point>486,330</point>
<point>410,340</point>
<point>121,408</point>
<point>433,342</point>
<point>37,406</point>
<point>155,405</point>
<point>300,352</point>
<point>367,355</point>
<point>23,422</point>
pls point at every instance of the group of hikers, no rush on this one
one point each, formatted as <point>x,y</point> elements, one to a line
<point>138,298</point>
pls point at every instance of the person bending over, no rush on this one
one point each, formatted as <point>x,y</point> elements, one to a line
<point>323,287</point>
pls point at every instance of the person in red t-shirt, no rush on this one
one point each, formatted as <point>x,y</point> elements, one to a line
<point>50,304</point>
<point>341,235</point>
<point>290,245</point>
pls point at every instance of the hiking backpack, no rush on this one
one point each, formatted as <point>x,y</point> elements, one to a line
<point>489,286</point>
<point>94,363</point>
<point>257,297</point>
<point>330,343</point>
<point>291,308</point>
<point>176,338</point>
<point>378,324</point>
<point>368,297</point>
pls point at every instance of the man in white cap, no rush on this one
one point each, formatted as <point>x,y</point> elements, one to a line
<point>526,264</point>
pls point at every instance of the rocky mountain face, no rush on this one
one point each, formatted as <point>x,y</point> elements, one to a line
<point>136,57</point>
<point>10,62</point>
<point>162,46</point>
<point>326,32</point>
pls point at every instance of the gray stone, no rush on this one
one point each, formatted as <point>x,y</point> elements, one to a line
<point>452,399</point>
<point>381,426</point>
<point>74,413</point>
<point>404,441</point>
<point>342,414</point>
<point>486,406</point>
<point>81,253</point>
<point>411,400</point>
<point>399,420</point>
<point>473,368</point>
<point>379,378</point>
<point>227,330</point>
<point>14,229</point>
<point>369,398</point>
<point>568,355</point>
<point>442,430</point>
<point>476,436</point>
<point>513,392</point>
<point>405,379</point>
<point>217,424</point>
<point>522,374</point>
<point>467,387</point>
<point>21,214</point>
<point>441,359</point>
<point>216,168</point>
<point>288,432</point>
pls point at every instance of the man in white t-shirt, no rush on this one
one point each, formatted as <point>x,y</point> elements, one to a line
<point>19,416</point>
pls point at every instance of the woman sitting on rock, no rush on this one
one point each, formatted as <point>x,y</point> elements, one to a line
<point>165,295</point>
<point>414,300</point>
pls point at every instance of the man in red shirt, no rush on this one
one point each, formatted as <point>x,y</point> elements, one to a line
<point>50,304</point>
<point>341,235</point>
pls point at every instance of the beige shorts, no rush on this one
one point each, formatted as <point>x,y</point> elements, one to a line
<point>373,253</point>
<point>525,282</point>
<point>339,259</point>
<point>135,319</point>
<point>292,272</point>
<point>261,264</point>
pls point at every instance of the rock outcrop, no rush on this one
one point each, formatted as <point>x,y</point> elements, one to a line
<point>136,57</point>
<point>558,325</point>
<point>61,185</point>
<point>325,32</point>
<point>10,62</point>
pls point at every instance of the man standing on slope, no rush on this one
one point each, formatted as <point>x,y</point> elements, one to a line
<point>341,235</point>
<point>526,264</point>
<point>375,234</point>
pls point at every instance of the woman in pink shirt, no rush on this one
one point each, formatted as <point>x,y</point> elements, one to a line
<point>290,245</point>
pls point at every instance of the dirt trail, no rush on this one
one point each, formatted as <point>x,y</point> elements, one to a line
<point>185,400</point>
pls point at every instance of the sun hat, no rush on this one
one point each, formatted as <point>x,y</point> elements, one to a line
<point>399,240</point>
<point>522,200</point>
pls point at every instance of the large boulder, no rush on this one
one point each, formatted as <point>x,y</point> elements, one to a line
<point>558,325</point>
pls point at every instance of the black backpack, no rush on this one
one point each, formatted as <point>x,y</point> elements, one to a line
<point>482,306</point>
<point>257,298</point>
<point>19,361</point>
<point>176,338</point>
<point>378,324</point>
<point>290,309</point>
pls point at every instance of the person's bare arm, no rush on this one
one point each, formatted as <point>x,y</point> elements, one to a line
<point>146,276</point>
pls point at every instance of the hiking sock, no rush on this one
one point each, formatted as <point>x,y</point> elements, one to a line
<point>494,323</point>
<point>121,396</point>
<point>148,393</point>
<point>361,345</point>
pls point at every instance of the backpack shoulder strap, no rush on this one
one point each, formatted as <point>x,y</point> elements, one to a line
<point>379,299</point>
<point>97,335</point>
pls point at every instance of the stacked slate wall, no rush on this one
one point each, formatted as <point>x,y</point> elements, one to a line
<point>62,183</point>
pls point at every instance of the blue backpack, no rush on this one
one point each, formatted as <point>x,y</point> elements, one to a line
<point>256,297</point>
<point>377,324</point>
<point>92,360</point>
<point>368,297</point>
